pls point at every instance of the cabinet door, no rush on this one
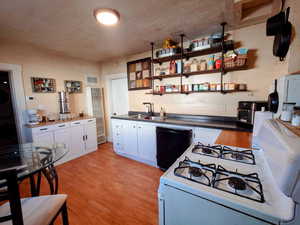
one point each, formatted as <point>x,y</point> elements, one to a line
<point>117,131</point>
<point>147,142</point>
<point>43,139</point>
<point>293,90</point>
<point>63,136</point>
<point>130,138</point>
<point>91,137</point>
<point>206,135</point>
<point>77,142</point>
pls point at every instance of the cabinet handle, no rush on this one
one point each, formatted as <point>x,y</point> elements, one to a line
<point>44,129</point>
<point>61,125</point>
<point>86,137</point>
<point>140,127</point>
<point>83,137</point>
<point>77,123</point>
<point>90,120</point>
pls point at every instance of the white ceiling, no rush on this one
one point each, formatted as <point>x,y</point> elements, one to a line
<point>68,26</point>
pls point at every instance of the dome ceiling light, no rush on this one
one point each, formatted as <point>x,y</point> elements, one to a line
<point>107,16</point>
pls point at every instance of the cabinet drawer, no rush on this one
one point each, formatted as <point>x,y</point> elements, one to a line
<point>92,120</point>
<point>77,123</point>
<point>61,126</point>
<point>43,129</point>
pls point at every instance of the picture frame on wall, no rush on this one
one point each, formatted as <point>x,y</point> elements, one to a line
<point>73,86</point>
<point>139,74</point>
<point>43,85</point>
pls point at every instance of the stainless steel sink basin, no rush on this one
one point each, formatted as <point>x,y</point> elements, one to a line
<point>143,117</point>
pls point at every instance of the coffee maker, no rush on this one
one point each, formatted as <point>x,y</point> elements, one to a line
<point>33,117</point>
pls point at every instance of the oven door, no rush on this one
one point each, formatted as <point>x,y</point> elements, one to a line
<point>245,116</point>
<point>181,208</point>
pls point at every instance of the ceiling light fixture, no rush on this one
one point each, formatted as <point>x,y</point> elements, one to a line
<point>107,16</point>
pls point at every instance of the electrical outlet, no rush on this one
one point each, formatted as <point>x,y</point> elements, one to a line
<point>29,98</point>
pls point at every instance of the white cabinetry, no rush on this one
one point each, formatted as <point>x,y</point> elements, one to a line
<point>206,135</point>
<point>117,130</point>
<point>147,142</point>
<point>45,138</point>
<point>90,136</point>
<point>130,138</point>
<point>137,140</point>
<point>79,137</point>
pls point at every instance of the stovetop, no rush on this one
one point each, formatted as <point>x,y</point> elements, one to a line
<point>225,152</point>
<point>246,185</point>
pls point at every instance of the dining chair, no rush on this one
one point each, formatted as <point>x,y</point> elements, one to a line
<point>42,210</point>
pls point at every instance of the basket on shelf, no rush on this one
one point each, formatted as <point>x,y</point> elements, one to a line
<point>238,61</point>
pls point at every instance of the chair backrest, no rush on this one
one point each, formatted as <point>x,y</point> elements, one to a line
<point>11,193</point>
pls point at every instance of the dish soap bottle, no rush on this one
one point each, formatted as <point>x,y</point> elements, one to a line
<point>162,113</point>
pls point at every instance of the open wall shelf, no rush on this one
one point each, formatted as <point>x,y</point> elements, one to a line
<point>220,47</point>
<point>193,92</point>
<point>204,72</point>
<point>228,45</point>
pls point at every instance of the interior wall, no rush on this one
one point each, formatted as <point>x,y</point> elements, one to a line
<point>264,68</point>
<point>294,56</point>
<point>38,62</point>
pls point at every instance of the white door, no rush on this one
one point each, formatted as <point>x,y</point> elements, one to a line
<point>119,98</point>
<point>43,139</point>
<point>147,142</point>
<point>62,136</point>
<point>130,138</point>
<point>91,137</point>
<point>77,142</point>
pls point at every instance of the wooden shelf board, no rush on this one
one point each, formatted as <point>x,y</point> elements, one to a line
<point>198,73</point>
<point>192,92</point>
<point>228,46</point>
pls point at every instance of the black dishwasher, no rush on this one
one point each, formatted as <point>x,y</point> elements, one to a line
<point>171,143</point>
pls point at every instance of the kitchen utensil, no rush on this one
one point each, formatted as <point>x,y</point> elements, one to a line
<point>273,100</point>
<point>275,23</point>
<point>283,38</point>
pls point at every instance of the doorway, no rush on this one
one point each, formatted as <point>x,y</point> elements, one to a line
<point>119,92</point>
<point>7,118</point>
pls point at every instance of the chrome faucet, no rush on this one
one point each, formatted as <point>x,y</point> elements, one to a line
<point>150,107</point>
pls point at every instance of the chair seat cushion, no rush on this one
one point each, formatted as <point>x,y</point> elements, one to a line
<point>37,210</point>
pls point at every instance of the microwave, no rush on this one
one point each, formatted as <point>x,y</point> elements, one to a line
<point>247,109</point>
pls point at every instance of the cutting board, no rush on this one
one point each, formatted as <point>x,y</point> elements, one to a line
<point>295,130</point>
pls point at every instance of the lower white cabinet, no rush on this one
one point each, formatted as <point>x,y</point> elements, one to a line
<point>137,140</point>
<point>130,138</point>
<point>146,136</point>
<point>79,137</point>
<point>45,138</point>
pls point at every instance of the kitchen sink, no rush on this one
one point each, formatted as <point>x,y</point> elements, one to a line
<point>147,117</point>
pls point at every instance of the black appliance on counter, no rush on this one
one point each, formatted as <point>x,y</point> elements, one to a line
<point>246,111</point>
<point>171,143</point>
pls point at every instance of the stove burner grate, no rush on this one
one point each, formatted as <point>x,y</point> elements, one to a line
<point>237,183</point>
<point>209,150</point>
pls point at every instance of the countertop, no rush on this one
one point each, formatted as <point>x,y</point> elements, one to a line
<point>207,121</point>
<point>58,122</point>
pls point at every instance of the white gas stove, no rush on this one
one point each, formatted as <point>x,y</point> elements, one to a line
<point>216,184</point>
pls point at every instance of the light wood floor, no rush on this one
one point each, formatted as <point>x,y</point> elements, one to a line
<point>106,189</point>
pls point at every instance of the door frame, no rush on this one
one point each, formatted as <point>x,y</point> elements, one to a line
<point>18,96</point>
<point>108,84</point>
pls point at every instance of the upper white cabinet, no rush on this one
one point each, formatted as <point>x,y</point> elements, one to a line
<point>79,137</point>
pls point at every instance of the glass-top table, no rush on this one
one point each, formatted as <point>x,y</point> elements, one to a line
<point>31,159</point>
